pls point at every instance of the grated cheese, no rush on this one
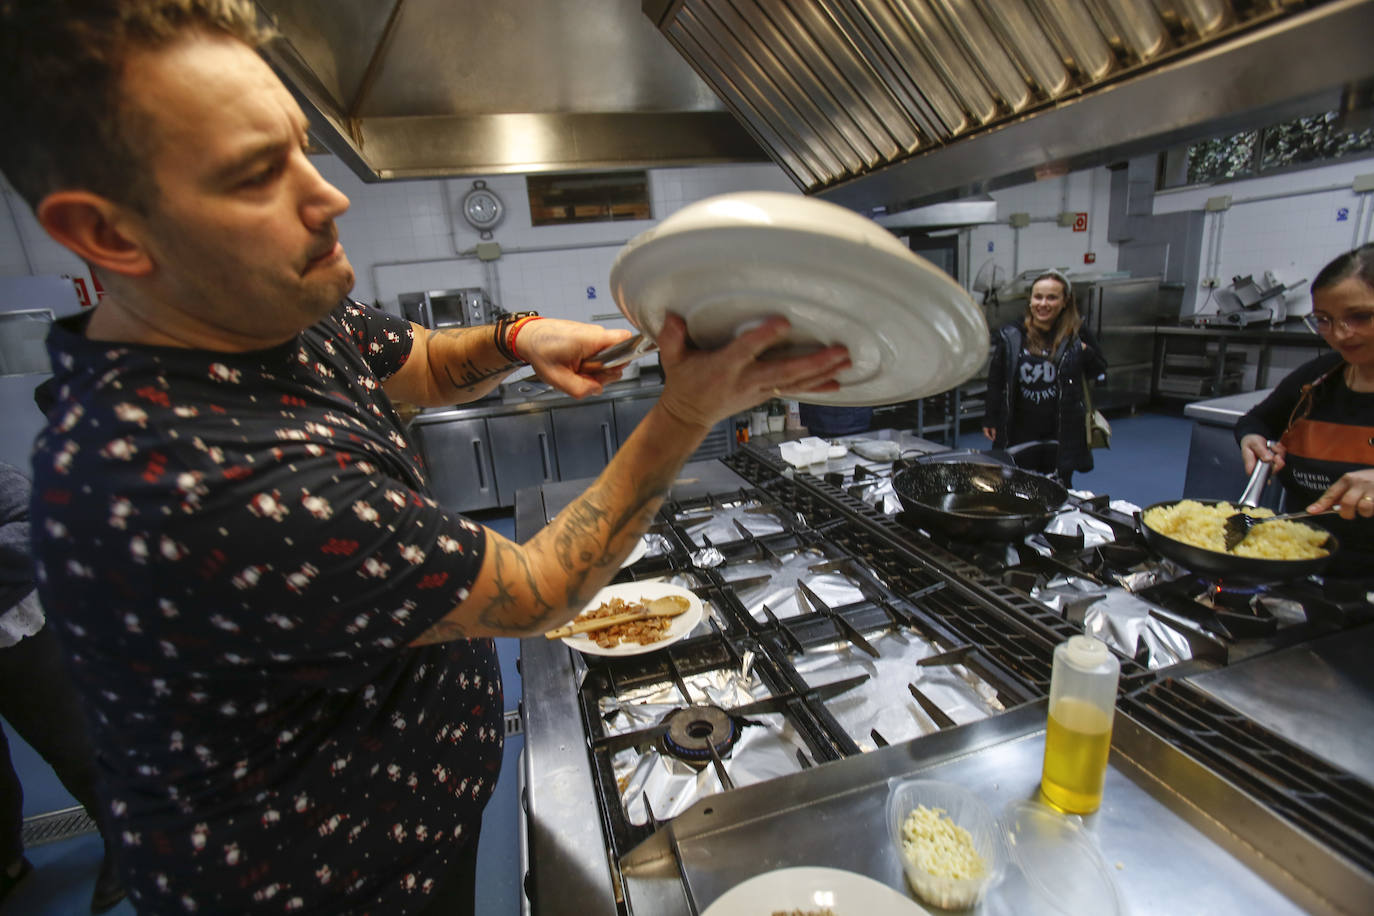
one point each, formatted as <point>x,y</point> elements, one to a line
<point>937,845</point>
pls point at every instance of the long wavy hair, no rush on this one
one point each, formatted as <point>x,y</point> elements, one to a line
<point>1065,325</point>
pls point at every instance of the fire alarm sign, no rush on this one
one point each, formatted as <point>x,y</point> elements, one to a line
<point>1080,222</point>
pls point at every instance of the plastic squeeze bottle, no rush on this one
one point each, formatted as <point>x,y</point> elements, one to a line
<point>1082,700</point>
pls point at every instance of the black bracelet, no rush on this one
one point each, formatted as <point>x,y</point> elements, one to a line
<point>502,325</point>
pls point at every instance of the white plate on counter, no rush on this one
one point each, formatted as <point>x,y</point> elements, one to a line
<point>631,592</point>
<point>725,263</point>
<point>810,890</point>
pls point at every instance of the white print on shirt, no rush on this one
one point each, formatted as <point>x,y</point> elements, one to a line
<point>1037,380</point>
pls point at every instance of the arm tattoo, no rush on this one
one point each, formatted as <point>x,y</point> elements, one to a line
<point>509,609</point>
<point>469,374</point>
<point>443,631</point>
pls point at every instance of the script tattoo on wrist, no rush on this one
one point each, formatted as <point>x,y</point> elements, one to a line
<point>468,374</point>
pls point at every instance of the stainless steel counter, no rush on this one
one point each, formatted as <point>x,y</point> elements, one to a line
<point>1290,692</point>
<point>1162,852</point>
<point>1225,411</point>
<point>1215,470</point>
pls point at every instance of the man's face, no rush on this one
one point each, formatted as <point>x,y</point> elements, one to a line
<point>242,232</point>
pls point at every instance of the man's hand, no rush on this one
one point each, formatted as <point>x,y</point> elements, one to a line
<point>991,433</point>
<point>1354,492</point>
<point>1255,447</point>
<point>703,387</point>
<point>557,349</point>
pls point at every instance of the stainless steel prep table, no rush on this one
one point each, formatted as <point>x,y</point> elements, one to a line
<point>1186,840</point>
<point>1290,692</point>
<point>1215,470</point>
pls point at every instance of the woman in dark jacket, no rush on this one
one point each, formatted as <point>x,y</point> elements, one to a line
<point>1036,377</point>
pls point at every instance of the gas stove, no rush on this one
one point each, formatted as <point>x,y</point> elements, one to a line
<point>1092,566</point>
<point>835,631</point>
<point>810,650</point>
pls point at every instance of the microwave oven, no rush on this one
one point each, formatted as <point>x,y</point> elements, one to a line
<point>448,308</point>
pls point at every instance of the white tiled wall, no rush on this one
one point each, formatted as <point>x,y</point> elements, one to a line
<point>1044,243</point>
<point>1303,220</point>
<point>404,236</point>
<point>410,236</point>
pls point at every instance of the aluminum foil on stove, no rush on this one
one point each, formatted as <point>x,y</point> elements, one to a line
<point>1118,618</point>
<point>883,703</point>
<point>721,523</point>
<point>781,593</point>
<point>1070,523</point>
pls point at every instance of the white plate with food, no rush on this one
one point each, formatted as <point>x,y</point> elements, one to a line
<point>813,890</point>
<point>630,598</point>
<point>725,263</point>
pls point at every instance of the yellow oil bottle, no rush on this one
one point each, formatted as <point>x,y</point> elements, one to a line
<point>1079,733</point>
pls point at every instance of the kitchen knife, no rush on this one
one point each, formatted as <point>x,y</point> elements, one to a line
<point>623,353</point>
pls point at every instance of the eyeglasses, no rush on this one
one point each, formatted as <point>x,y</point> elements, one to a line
<point>1353,322</point>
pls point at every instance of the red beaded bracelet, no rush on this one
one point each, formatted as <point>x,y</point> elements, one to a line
<point>515,332</point>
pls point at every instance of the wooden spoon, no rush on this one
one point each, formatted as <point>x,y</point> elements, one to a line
<point>667,606</point>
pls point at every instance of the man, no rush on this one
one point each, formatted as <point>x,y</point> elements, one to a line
<point>282,640</point>
<point>37,699</point>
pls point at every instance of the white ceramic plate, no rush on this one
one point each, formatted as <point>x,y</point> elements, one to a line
<point>725,263</point>
<point>637,552</point>
<point>639,591</point>
<point>787,889</point>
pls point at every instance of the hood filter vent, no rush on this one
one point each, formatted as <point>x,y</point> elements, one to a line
<point>835,89</point>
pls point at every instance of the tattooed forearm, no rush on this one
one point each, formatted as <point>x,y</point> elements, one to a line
<point>443,631</point>
<point>451,353</point>
<point>516,605</point>
<point>470,376</point>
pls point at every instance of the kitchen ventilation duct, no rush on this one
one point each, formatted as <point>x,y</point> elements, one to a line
<point>893,103</point>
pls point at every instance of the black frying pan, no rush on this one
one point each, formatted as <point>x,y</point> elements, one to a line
<point>1227,566</point>
<point>978,500</point>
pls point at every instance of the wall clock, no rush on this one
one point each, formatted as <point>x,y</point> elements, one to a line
<point>482,208</point>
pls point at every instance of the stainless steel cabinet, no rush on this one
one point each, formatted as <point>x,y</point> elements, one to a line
<point>522,453</point>
<point>585,437</point>
<point>457,456</point>
<point>628,413</point>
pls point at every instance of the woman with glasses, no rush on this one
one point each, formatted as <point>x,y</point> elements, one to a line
<point>1322,413</point>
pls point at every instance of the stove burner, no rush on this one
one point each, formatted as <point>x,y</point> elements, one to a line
<point>694,730</point>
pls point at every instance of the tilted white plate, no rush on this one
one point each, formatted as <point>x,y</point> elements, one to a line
<point>637,552</point>
<point>813,889</point>
<point>631,592</point>
<point>725,263</point>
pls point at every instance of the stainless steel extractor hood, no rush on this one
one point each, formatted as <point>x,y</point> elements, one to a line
<point>881,105</point>
<point>424,88</point>
<point>893,103</point>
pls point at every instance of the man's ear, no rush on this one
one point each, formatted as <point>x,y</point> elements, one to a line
<point>97,230</point>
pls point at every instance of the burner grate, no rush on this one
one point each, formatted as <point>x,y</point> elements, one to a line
<point>1331,804</point>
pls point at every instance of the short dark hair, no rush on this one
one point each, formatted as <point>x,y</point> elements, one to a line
<point>61,66</point>
<point>1358,262</point>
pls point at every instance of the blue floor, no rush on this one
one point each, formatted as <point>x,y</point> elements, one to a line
<point>1145,465</point>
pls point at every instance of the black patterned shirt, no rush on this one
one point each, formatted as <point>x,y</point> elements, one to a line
<point>238,548</point>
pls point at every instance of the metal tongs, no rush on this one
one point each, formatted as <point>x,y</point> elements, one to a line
<point>623,353</point>
<point>1239,526</point>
